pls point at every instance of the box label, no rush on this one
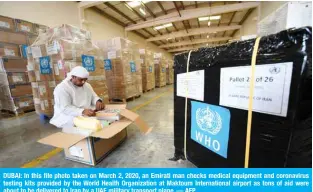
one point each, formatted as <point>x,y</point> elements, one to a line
<point>36,52</point>
<point>163,69</point>
<point>30,66</point>
<point>4,24</point>
<point>191,85</point>
<point>24,104</point>
<point>52,49</point>
<point>42,89</point>
<point>17,79</point>
<point>76,152</point>
<point>271,91</point>
<point>107,65</point>
<point>24,51</point>
<point>210,127</point>
<point>45,67</point>
<point>9,52</point>
<point>34,85</point>
<point>56,69</point>
<point>111,54</point>
<point>52,84</point>
<point>88,62</point>
<point>25,28</point>
<point>132,67</point>
<point>150,69</point>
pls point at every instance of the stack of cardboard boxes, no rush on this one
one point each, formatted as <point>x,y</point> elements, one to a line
<point>160,70</point>
<point>169,72</point>
<point>53,55</point>
<point>15,88</point>
<point>147,69</point>
<point>122,68</point>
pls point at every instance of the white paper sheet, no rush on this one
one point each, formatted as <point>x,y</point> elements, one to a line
<point>191,85</point>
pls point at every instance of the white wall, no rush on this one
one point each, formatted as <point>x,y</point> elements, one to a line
<point>46,13</point>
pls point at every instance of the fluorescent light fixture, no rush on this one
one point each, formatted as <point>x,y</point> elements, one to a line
<point>209,23</point>
<point>169,38</point>
<point>134,3</point>
<point>168,25</point>
<point>142,11</point>
<point>163,26</point>
<point>203,18</point>
<point>159,27</point>
<point>216,17</point>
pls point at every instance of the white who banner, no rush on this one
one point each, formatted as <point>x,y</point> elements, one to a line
<point>271,90</point>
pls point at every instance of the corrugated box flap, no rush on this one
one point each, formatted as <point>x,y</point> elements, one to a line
<point>137,120</point>
<point>112,129</point>
<point>129,114</point>
<point>62,140</point>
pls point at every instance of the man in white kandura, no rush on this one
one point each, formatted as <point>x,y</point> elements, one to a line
<point>74,97</point>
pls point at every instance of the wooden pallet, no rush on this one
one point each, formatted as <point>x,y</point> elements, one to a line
<point>169,83</point>
<point>117,101</point>
<point>160,86</point>
<point>7,113</point>
<point>148,90</point>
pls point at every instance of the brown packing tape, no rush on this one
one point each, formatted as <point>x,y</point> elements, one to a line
<point>62,140</point>
<point>112,129</point>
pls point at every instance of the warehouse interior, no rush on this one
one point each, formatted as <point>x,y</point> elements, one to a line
<point>160,29</point>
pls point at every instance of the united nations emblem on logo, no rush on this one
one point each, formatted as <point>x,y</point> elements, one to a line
<point>45,63</point>
<point>88,61</point>
<point>274,70</point>
<point>208,120</point>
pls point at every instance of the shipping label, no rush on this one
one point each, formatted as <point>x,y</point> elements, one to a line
<point>191,85</point>
<point>210,127</point>
<point>34,85</point>
<point>52,84</point>
<point>17,79</point>
<point>76,151</point>
<point>4,24</point>
<point>271,87</point>
<point>107,65</point>
<point>52,49</point>
<point>112,55</point>
<point>88,62</point>
<point>45,66</point>
<point>9,52</point>
<point>25,28</point>
<point>56,69</point>
<point>24,104</point>
<point>42,89</point>
<point>132,67</point>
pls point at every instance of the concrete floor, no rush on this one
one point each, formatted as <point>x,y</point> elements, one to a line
<point>18,138</point>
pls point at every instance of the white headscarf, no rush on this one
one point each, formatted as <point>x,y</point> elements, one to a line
<point>78,71</point>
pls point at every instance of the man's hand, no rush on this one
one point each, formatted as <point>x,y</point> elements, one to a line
<point>89,112</point>
<point>99,105</point>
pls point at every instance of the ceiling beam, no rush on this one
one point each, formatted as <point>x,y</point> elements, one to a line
<point>176,7</point>
<point>195,31</point>
<point>243,19</point>
<point>161,6</point>
<point>119,12</point>
<point>147,8</point>
<point>88,4</point>
<point>181,49</point>
<point>191,14</point>
<point>196,41</point>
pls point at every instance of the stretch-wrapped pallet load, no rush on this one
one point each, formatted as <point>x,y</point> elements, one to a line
<point>54,53</point>
<point>160,70</point>
<point>16,95</point>
<point>218,95</point>
<point>122,68</point>
<point>169,72</point>
<point>147,69</point>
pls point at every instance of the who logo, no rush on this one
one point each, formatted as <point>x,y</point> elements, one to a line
<point>88,62</point>
<point>210,126</point>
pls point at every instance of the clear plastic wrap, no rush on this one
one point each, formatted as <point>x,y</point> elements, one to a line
<point>53,54</point>
<point>169,72</point>
<point>160,70</point>
<point>147,68</point>
<point>122,67</point>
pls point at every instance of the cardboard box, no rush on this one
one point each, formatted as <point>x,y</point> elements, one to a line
<point>44,89</point>
<point>10,37</point>
<point>12,65</point>
<point>44,106</point>
<point>39,28</point>
<point>20,90</point>
<point>6,23</point>
<point>24,103</point>
<point>9,50</point>
<point>77,146</point>
<point>23,26</point>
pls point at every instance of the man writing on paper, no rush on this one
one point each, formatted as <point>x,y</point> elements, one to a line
<point>74,97</point>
